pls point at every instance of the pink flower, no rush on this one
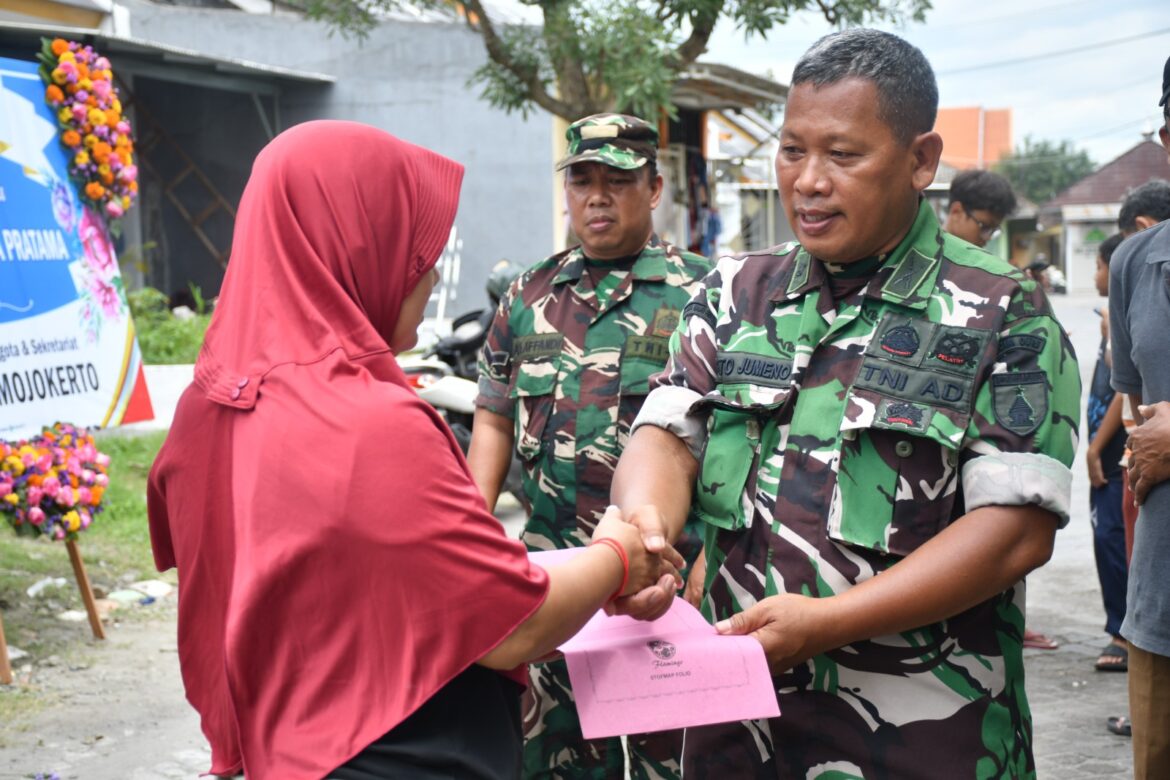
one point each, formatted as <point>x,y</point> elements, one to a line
<point>101,63</point>
<point>86,518</point>
<point>98,253</point>
<point>65,496</point>
<point>101,88</point>
<point>102,460</point>
<point>36,515</point>
<point>59,534</point>
<point>5,488</point>
<point>51,486</point>
<point>79,112</point>
<point>35,494</point>
<point>129,173</point>
<point>106,296</point>
<point>114,209</point>
<point>87,476</point>
<point>123,127</point>
<point>83,495</point>
<point>101,479</point>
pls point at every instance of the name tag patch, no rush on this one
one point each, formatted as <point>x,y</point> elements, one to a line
<point>916,385</point>
<point>538,345</point>
<point>652,348</point>
<point>1020,400</point>
<point>745,367</point>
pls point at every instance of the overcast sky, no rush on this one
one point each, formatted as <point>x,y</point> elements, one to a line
<point>1100,96</point>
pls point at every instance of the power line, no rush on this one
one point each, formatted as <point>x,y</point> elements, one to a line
<point>1058,53</point>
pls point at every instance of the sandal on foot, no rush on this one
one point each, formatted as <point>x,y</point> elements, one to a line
<point>1038,641</point>
<point>1113,658</point>
<point>1119,725</point>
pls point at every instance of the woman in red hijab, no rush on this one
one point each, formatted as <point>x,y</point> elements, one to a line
<point>343,593</point>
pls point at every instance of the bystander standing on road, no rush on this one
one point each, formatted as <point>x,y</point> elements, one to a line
<point>1139,315</point>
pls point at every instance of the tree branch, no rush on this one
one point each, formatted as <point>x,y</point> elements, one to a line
<point>499,55</point>
<point>696,43</point>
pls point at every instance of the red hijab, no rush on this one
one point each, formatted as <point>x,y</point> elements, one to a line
<point>337,566</point>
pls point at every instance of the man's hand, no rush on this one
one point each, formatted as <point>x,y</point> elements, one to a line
<point>1149,444</point>
<point>790,628</point>
<point>652,603</point>
<point>1096,470</point>
<point>694,590</point>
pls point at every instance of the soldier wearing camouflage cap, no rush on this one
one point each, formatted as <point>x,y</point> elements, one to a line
<point>880,398</point>
<point>564,370</point>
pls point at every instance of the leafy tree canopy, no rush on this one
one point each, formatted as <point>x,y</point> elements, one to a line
<point>590,56</point>
<point>1040,169</point>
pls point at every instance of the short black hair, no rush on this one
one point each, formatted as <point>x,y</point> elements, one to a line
<point>1105,251</point>
<point>1151,199</point>
<point>906,87</point>
<point>984,190</point>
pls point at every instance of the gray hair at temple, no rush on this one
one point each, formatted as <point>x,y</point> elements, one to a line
<point>907,91</point>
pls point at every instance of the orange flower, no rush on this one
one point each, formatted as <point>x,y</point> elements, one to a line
<point>82,70</point>
<point>94,191</point>
<point>134,186</point>
<point>53,94</point>
<point>102,152</point>
<point>70,88</point>
<point>59,46</point>
<point>107,178</point>
<point>95,494</point>
<point>71,138</point>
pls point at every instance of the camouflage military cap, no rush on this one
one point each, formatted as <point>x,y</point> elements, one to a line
<point>617,140</point>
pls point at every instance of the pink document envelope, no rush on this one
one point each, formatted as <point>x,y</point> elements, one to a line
<point>631,676</point>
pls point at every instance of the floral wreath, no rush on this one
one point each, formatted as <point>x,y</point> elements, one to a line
<point>53,484</point>
<point>80,87</point>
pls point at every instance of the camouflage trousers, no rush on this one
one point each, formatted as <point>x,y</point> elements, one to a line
<point>555,750</point>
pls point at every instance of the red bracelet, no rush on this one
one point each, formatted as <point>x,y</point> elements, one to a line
<point>616,546</point>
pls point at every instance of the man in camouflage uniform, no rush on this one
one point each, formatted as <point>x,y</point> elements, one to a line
<point>882,398</point>
<point>563,373</point>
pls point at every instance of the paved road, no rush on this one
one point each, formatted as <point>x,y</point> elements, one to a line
<point>124,718</point>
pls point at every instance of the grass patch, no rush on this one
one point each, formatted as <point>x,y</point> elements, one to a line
<point>116,550</point>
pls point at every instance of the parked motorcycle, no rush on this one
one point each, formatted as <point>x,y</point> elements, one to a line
<point>446,374</point>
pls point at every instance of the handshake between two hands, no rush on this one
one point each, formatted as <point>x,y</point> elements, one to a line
<point>790,627</point>
<point>654,564</point>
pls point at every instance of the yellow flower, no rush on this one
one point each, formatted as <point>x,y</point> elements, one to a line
<point>72,520</point>
<point>82,158</point>
<point>125,201</point>
<point>59,77</point>
<point>85,84</point>
<point>97,116</point>
<point>116,105</point>
<point>104,169</point>
<point>66,56</point>
<point>90,140</point>
<point>65,116</point>
<point>14,499</point>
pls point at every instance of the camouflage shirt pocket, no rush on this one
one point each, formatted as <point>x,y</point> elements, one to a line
<point>534,389</point>
<point>898,475</point>
<point>642,358</point>
<point>734,435</point>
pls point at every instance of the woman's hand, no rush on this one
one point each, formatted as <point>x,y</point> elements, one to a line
<point>647,568</point>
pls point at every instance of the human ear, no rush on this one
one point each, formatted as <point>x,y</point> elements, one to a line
<point>927,150</point>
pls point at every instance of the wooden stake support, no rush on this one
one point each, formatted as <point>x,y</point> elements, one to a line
<point>5,666</point>
<point>95,621</point>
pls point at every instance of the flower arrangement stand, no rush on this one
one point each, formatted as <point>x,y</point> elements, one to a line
<point>5,666</point>
<point>95,621</point>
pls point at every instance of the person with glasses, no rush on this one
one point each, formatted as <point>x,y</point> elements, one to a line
<point>980,201</point>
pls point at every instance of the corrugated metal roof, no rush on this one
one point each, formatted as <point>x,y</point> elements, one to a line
<point>163,61</point>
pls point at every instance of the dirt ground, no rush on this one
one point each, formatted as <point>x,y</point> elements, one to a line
<point>114,710</point>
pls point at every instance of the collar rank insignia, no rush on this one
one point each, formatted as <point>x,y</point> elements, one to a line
<point>956,349</point>
<point>901,341</point>
<point>904,413</point>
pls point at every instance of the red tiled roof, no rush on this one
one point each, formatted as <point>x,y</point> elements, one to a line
<point>1111,182</point>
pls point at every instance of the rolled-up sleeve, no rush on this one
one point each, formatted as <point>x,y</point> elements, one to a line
<point>1023,433</point>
